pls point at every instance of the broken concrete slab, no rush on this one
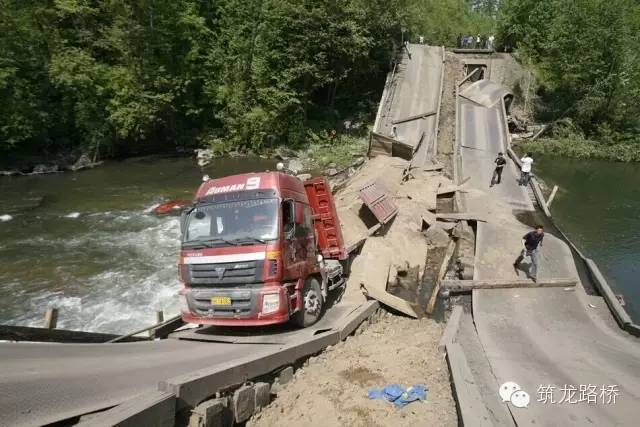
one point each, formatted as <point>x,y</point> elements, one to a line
<point>212,413</point>
<point>436,235</point>
<point>469,216</point>
<point>451,329</point>
<point>263,395</point>
<point>428,219</point>
<point>243,403</point>
<point>376,280</point>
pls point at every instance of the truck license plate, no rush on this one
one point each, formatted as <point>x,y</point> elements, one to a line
<point>221,300</point>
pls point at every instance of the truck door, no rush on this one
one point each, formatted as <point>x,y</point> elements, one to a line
<point>298,240</point>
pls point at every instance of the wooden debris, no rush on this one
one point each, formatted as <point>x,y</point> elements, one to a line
<point>553,194</point>
<point>412,118</point>
<point>460,286</point>
<point>443,270</point>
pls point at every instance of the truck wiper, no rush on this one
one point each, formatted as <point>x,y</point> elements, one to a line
<point>250,238</point>
<point>207,243</point>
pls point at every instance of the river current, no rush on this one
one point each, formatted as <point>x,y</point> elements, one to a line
<point>88,243</point>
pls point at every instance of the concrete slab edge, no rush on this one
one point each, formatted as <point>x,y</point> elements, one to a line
<point>150,409</point>
<point>451,329</point>
<point>439,105</point>
<point>617,310</point>
<point>190,389</point>
<point>471,409</point>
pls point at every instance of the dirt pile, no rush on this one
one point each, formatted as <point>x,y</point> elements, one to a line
<point>331,389</point>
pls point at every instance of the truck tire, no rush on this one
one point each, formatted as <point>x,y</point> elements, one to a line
<point>313,304</point>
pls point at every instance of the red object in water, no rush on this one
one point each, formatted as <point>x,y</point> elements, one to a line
<point>172,207</point>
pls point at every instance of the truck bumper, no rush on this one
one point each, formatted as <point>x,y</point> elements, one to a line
<point>236,307</point>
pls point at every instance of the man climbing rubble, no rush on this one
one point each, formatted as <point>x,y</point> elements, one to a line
<point>530,243</point>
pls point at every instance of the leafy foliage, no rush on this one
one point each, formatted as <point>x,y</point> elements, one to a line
<point>586,53</point>
<point>124,77</point>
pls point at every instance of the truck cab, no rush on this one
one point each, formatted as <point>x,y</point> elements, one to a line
<point>251,253</point>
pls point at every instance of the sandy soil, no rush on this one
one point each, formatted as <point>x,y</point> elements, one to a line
<point>453,72</point>
<point>331,389</point>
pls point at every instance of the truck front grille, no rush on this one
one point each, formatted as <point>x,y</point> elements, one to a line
<point>230,273</point>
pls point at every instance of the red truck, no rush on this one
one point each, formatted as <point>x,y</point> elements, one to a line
<point>260,249</point>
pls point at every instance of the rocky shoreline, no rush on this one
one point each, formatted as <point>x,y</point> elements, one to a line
<point>79,163</point>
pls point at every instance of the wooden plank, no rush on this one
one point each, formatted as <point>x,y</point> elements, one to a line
<point>149,409</point>
<point>462,216</point>
<point>451,330</point>
<point>25,333</point>
<point>471,408</point>
<point>412,118</point>
<point>553,194</point>
<point>51,318</point>
<point>469,285</point>
<point>159,329</point>
<point>443,270</point>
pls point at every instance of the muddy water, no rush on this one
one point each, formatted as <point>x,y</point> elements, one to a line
<point>86,242</point>
<point>598,206</point>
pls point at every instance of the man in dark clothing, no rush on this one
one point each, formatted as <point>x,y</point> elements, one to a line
<point>500,161</point>
<point>530,243</point>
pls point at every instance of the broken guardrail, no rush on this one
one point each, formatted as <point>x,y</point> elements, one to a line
<point>617,310</point>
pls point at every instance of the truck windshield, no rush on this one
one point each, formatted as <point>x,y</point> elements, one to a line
<point>234,222</point>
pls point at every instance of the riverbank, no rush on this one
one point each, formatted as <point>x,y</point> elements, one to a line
<point>603,223</point>
<point>580,148</point>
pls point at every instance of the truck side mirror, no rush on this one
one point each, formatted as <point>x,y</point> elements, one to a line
<point>288,218</point>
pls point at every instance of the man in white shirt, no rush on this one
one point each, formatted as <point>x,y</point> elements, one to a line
<point>525,170</point>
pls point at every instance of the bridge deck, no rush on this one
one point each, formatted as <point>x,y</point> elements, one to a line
<point>538,336</point>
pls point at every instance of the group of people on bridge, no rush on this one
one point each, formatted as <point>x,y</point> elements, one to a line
<point>476,42</point>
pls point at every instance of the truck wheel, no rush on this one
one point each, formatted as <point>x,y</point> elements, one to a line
<point>312,304</point>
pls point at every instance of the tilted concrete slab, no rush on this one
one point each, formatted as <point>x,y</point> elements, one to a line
<point>539,337</point>
<point>416,87</point>
<point>485,93</point>
<point>41,383</point>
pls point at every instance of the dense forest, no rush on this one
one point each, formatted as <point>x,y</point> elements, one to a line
<point>120,78</point>
<point>586,56</point>
<point>115,78</point>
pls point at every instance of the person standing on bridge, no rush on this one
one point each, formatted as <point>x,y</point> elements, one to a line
<point>530,243</point>
<point>497,172</point>
<point>525,170</point>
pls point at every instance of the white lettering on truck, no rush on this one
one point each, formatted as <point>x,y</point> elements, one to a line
<point>252,184</point>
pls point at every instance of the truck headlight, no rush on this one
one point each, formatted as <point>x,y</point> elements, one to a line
<point>270,303</point>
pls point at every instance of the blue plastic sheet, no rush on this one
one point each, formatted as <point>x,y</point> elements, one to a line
<point>398,395</point>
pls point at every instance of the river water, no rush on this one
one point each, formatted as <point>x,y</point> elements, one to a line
<point>598,207</point>
<point>92,247</point>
